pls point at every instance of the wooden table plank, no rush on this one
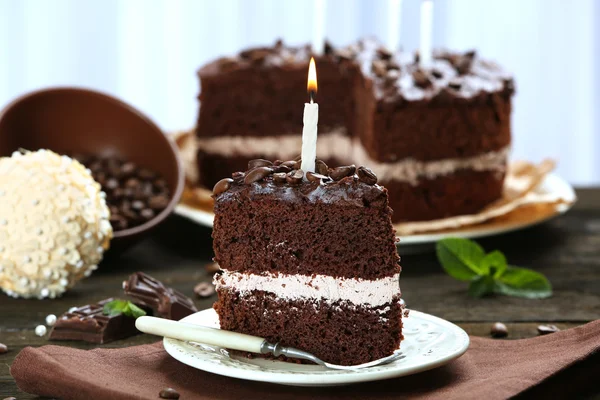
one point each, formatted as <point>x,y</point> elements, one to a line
<point>566,250</point>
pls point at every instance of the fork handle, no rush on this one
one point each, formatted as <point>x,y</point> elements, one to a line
<point>200,334</point>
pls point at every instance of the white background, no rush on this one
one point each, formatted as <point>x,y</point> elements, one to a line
<point>147,52</point>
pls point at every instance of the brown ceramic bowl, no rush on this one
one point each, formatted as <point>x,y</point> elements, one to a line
<point>73,120</point>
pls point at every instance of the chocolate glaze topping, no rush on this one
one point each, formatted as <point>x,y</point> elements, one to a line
<point>395,76</point>
<point>284,179</point>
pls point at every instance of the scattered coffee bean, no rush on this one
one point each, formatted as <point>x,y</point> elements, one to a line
<point>321,168</point>
<point>259,162</point>
<point>212,268</point>
<point>3,348</point>
<point>367,176</point>
<point>281,168</point>
<point>169,393</point>
<point>314,177</point>
<point>222,186</point>
<point>280,177</point>
<point>546,329</point>
<point>10,398</point>
<point>238,176</point>
<point>204,290</point>
<point>290,164</point>
<point>340,173</point>
<point>498,330</point>
<point>295,177</point>
<point>257,174</point>
<point>130,190</point>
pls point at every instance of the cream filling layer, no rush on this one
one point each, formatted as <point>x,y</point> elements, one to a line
<point>336,144</point>
<point>373,293</point>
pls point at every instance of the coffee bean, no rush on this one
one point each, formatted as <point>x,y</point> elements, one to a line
<point>169,393</point>
<point>280,177</point>
<point>341,172</point>
<point>222,186</point>
<point>290,164</point>
<point>498,330</point>
<point>212,268</point>
<point>421,79</point>
<point>294,177</point>
<point>464,65</point>
<point>257,174</point>
<point>367,176</point>
<point>160,202</point>
<point>314,177</point>
<point>10,398</point>
<point>128,168</point>
<point>546,329</point>
<point>321,167</point>
<point>379,68</point>
<point>281,168</point>
<point>259,162</point>
<point>384,53</point>
<point>112,184</point>
<point>3,348</point>
<point>238,176</point>
<point>137,205</point>
<point>204,290</point>
<point>147,214</point>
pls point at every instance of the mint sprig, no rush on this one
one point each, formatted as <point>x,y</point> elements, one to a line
<point>489,273</point>
<point>124,307</point>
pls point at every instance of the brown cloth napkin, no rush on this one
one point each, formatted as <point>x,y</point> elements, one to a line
<point>562,364</point>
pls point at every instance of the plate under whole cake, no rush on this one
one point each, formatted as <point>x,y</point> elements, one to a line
<point>429,342</point>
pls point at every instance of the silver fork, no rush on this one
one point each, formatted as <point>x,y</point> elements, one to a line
<point>239,341</point>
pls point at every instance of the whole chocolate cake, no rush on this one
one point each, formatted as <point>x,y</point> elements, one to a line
<point>309,261</point>
<point>437,137</point>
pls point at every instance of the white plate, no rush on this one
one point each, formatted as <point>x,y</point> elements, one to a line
<point>552,184</point>
<point>429,343</point>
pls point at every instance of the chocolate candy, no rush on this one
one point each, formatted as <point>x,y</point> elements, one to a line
<point>134,195</point>
<point>166,302</point>
<point>366,175</point>
<point>89,324</point>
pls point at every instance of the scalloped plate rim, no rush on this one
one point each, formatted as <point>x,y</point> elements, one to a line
<point>193,356</point>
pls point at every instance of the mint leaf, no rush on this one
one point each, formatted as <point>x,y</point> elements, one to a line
<point>523,282</point>
<point>481,286</point>
<point>494,264</point>
<point>460,258</point>
<point>124,307</point>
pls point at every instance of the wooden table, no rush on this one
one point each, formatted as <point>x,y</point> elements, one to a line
<point>566,250</point>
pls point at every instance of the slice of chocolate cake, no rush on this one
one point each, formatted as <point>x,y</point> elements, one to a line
<point>310,263</point>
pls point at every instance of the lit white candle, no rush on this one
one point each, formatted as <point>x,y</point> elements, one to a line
<point>394,24</point>
<point>318,34</point>
<point>311,119</point>
<point>426,33</point>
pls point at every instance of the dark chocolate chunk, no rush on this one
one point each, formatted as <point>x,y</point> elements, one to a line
<point>280,177</point>
<point>257,174</point>
<point>259,162</point>
<point>3,348</point>
<point>204,290</point>
<point>321,168</point>
<point>222,186</point>
<point>295,177</point>
<point>341,172</point>
<point>165,301</point>
<point>498,330</point>
<point>89,324</point>
<point>314,177</point>
<point>168,393</point>
<point>366,175</point>
<point>546,329</point>
<point>421,79</point>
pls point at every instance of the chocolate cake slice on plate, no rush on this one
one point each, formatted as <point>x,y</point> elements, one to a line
<point>309,261</point>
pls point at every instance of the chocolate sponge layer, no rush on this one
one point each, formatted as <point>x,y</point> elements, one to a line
<point>339,333</point>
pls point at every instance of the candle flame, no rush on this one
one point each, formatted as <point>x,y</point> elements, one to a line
<point>311,85</point>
